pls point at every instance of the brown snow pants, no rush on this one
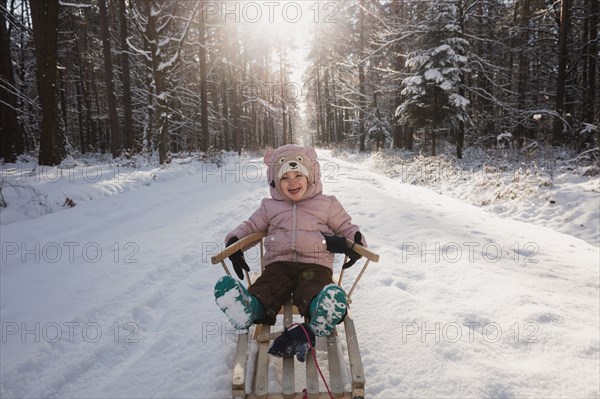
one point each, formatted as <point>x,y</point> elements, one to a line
<point>282,280</point>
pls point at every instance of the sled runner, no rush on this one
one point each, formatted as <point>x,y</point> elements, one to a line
<point>332,360</point>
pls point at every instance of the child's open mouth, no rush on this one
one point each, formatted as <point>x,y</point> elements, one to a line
<point>294,190</point>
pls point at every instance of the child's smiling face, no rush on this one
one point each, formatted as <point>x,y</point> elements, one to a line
<point>294,185</point>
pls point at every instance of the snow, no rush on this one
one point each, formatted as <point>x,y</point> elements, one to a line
<point>75,5</point>
<point>164,65</point>
<point>433,74</point>
<point>458,101</point>
<point>237,315</point>
<point>114,297</point>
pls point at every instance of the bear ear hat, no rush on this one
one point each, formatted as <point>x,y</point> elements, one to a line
<point>311,153</point>
<point>268,158</point>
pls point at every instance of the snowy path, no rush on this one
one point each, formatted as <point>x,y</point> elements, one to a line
<point>113,298</point>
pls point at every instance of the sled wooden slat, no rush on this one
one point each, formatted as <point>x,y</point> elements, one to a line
<point>356,367</point>
<point>312,376</point>
<point>261,379</point>
<point>289,378</point>
<point>336,383</point>
<point>263,335</point>
<point>239,367</point>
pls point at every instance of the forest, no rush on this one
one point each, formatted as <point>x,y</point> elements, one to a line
<point>163,77</point>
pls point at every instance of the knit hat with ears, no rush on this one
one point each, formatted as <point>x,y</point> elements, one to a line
<point>291,157</point>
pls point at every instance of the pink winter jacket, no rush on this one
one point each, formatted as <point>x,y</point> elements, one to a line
<point>295,229</point>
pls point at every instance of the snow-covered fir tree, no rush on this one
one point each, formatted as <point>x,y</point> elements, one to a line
<point>431,94</point>
<point>379,130</point>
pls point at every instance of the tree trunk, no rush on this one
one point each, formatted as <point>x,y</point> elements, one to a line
<point>127,113</point>
<point>86,78</point>
<point>9,126</point>
<point>235,119</point>
<point>409,137</point>
<point>205,139</point>
<point>557,131</point>
<point>80,119</point>
<point>361,78</point>
<point>318,104</point>
<point>290,128</point>
<point>592,63</point>
<point>44,15</point>
<point>460,133</point>
<point>327,107</point>
<point>62,99</point>
<point>286,139</point>
<point>523,69</point>
<point>225,116</point>
<point>115,134</point>
<point>460,140</point>
<point>159,82</point>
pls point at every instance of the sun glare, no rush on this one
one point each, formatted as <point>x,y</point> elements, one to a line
<point>284,29</point>
<point>283,26</point>
<point>283,18</point>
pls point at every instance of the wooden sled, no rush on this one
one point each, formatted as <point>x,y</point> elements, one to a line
<point>291,369</point>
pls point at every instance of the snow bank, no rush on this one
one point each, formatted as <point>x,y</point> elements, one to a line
<point>29,190</point>
<point>530,190</point>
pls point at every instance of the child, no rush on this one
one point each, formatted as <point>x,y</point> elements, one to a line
<point>305,228</point>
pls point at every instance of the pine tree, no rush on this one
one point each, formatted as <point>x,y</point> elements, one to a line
<point>431,93</point>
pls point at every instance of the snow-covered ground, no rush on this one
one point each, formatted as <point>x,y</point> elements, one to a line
<point>113,297</point>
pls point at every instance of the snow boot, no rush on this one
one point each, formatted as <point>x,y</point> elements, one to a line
<point>327,310</point>
<point>293,342</point>
<point>241,307</point>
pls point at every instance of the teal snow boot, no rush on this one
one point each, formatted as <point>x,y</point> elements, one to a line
<point>240,307</point>
<point>327,310</point>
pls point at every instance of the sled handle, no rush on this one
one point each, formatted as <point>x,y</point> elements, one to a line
<point>250,239</point>
<point>236,246</point>
<point>364,251</point>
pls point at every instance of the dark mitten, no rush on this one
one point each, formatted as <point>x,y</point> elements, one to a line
<point>353,256</point>
<point>237,259</point>
<point>293,342</point>
<point>336,244</point>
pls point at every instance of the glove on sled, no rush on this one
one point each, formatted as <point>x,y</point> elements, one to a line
<point>338,245</point>
<point>293,342</point>
<point>237,259</point>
